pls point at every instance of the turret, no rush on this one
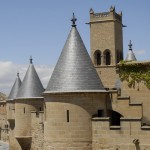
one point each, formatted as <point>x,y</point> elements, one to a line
<point>74,94</point>
<point>11,98</point>
<point>130,54</point>
<point>13,143</point>
<point>29,98</point>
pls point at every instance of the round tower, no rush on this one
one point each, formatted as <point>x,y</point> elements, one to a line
<point>11,97</point>
<point>13,143</point>
<point>74,94</point>
<point>28,99</point>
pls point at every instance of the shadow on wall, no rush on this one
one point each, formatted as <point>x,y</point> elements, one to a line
<point>25,142</point>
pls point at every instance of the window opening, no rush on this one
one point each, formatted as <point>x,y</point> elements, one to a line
<point>98,58</point>
<point>40,108</point>
<point>37,114</point>
<point>67,115</point>
<point>108,58</point>
<point>115,118</point>
<point>100,113</point>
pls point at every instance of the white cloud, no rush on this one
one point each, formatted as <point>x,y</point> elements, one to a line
<point>8,72</point>
<point>140,52</point>
<point>44,73</point>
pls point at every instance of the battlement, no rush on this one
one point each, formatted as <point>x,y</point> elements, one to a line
<point>105,16</point>
<point>122,136</point>
<point>38,115</point>
<point>128,126</point>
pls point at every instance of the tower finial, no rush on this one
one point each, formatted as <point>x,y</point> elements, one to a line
<point>112,8</point>
<point>91,11</point>
<point>74,21</point>
<point>31,60</point>
<point>18,74</point>
<point>130,46</point>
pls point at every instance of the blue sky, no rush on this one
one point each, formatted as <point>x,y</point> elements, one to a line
<point>40,28</point>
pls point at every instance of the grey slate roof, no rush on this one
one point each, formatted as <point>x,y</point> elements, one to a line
<point>74,70</point>
<point>15,88</point>
<point>31,86</point>
<point>130,54</point>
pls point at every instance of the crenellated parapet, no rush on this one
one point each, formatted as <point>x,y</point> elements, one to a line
<point>121,137</point>
<point>105,16</point>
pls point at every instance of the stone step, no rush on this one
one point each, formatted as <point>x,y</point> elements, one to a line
<point>123,97</point>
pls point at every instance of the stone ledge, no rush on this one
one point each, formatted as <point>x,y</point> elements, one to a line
<point>101,119</point>
<point>131,119</point>
<point>104,66</point>
<point>115,127</point>
<point>135,104</point>
<point>112,90</point>
<point>123,97</point>
<point>37,111</point>
<point>22,137</point>
<point>145,127</point>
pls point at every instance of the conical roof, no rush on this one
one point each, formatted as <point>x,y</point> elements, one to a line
<point>74,70</point>
<point>130,54</point>
<point>15,88</point>
<point>31,86</point>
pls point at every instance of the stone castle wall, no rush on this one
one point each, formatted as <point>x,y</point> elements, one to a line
<point>107,75</point>
<point>139,94</point>
<point>125,106</point>
<point>23,108</point>
<point>128,136</point>
<point>70,130</point>
<point>10,108</point>
<point>37,130</point>
<point>13,143</point>
<point>3,122</point>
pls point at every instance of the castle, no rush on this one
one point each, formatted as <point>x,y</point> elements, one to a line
<point>91,103</point>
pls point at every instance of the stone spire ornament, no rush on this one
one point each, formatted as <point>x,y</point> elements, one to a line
<point>130,46</point>
<point>31,60</point>
<point>74,21</point>
<point>130,54</point>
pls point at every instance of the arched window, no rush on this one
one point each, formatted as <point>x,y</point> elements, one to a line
<point>97,57</point>
<point>107,57</point>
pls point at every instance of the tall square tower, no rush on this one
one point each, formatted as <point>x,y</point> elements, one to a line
<point>106,43</point>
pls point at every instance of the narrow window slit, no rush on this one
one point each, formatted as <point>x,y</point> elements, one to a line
<point>67,115</point>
